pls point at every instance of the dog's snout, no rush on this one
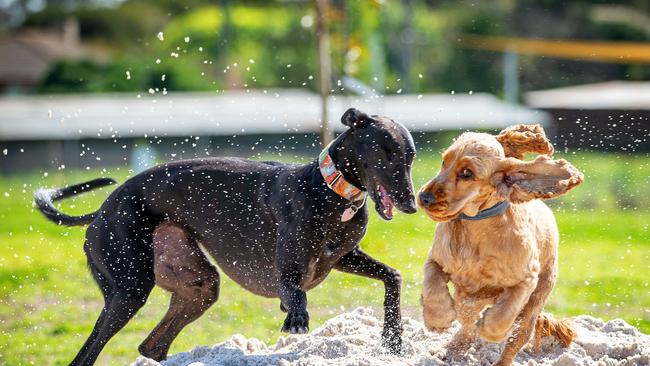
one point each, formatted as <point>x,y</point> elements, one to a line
<point>439,193</point>
<point>406,203</point>
<point>426,199</point>
<point>409,206</point>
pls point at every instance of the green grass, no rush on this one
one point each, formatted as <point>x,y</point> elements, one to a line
<point>49,302</point>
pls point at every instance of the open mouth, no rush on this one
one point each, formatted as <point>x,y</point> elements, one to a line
<point>383,203</point>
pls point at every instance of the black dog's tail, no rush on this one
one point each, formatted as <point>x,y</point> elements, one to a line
<point>44,199</point>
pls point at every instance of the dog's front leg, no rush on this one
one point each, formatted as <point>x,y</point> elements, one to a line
<point>292,260</point>
<point>438,306</point>
<point>497,321</point>
<point>360,263</point>
<point>294,299</point>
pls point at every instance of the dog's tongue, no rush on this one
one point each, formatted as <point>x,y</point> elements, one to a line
<point>386,202</point>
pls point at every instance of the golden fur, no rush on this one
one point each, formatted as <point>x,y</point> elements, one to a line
<point>547,326</point>
<point>507,262</point>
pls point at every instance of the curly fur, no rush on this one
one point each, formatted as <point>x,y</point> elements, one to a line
<point>520,139</point>
<point>507,262</point>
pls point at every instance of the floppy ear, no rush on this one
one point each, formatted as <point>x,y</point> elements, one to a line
<point>543,178</point>
<point>354,118</point>
<point>520,139</point>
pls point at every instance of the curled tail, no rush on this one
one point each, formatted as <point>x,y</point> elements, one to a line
<point>547,326</point>
<point>45,198</point>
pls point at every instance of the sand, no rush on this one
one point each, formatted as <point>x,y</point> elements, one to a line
<point>354,339</point>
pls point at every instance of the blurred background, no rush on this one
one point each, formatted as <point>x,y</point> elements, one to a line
<point>110,87</point>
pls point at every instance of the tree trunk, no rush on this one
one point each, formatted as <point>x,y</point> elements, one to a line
<point>324,68</point>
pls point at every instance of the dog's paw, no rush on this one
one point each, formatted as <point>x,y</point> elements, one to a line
<point>439,320</point>
<point>297,322</point>
<point>492,329</point>
<point>157,352</point>
<point>459,345</point>
<point>391,339</point>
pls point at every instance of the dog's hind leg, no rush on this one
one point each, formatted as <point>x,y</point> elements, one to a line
<point>181,268</point>
<point>105,287</point>
<point>468,308</point>
<point>528,316</point>
<point>360,263</point>
<point>122,268</point>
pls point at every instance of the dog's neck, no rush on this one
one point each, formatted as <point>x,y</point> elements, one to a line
<point>341,153</point>
<point>490,224</point>
<point>492,210</point>
<point>339,173</point>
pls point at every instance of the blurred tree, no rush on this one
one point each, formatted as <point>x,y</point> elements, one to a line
<point>391,45</point>
<point>324,67</point>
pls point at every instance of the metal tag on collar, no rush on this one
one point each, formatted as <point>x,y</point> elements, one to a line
<point>349,212</point>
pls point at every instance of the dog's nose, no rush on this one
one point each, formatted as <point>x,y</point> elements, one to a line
<point>410,210</point>
<point>426,199</point>
<point>410,206</point>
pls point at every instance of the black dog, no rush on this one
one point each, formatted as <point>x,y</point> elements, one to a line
<point>275,229</point>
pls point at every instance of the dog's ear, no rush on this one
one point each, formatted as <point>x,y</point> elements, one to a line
<point>354,118</point>
<point>520,139</point>
<point>521,181</point>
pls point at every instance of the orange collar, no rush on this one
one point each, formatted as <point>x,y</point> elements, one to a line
<point>335,180</point>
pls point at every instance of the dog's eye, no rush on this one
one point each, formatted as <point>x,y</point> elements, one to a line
<point>466,174</point>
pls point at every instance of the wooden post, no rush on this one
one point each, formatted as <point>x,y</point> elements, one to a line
<point>324,68</point>
<point>511,76</point>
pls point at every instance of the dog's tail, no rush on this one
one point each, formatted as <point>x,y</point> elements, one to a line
<point>45,198</point>
<point>561,329</point>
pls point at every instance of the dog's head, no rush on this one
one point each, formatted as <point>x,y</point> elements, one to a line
<point>480,169</point>
<point>380,151</point>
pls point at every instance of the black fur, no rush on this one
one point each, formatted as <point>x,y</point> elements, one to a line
<point>273,228</point>
<point>355,118</point>
<point>45,198</point>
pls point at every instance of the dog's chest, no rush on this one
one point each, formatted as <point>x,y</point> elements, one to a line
<point>337,243</point>
<point>475,272</point>
<point>334,246</point>
<point>490,263</point>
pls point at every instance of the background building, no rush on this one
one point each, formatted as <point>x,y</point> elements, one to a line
<point>40,132</point>
<point>610,116</point>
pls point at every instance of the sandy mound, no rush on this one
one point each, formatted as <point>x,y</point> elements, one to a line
<point>354,339</point>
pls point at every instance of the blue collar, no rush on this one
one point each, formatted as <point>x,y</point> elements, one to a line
<point>495,210</point>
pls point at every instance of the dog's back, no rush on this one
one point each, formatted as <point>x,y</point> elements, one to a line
<point>546,233</point>
<point>230,205</point>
